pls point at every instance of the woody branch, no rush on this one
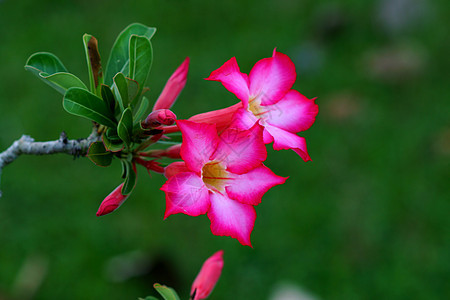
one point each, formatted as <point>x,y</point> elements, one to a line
<point>27,145</point>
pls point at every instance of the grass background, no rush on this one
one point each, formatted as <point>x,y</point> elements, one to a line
<point>367,219</point>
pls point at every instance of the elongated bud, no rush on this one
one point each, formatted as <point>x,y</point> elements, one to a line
<point>112,202</point>
<point>171,152</point>
<point>208,276</point>
<point>159,117</point>
<point>173,87</point>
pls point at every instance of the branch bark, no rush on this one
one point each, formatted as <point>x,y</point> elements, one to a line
<point>27,145</point>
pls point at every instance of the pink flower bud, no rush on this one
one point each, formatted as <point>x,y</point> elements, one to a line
<point>112,202</point>
<point>173,152</point>
<point>173,87</point>
<point>159,117</point>
<point>208,276</point>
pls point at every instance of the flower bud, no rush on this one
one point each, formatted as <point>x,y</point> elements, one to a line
<point>112,202</point>
<point>173,87</point>
<point>159,117</point>
<point>207,277</point>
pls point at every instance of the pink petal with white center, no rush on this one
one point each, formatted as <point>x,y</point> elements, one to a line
<point>294,112</point>
<point>271,78</point>
<point>243,119</point>
<point>199,143</point>
<point>241,150</point>
<point>249,188</point>
<point>186,193</point>
<point>231,218</point>
<point>232,79</point>
<point>283,139</point>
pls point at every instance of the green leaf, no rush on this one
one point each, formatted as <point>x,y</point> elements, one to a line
<point>149,298</point>
<point>99,155</point>
<point>141,56</point>
<point>112,145</point>
<point>142,110</point>
<point>133,90</point>
<point>50,69</point>
<point>108,97</point>
<point>120,88</point>
<point>125,127</point>
<point>166,292</point>
<point>130,180</point>
<point>81,102</point>
<point>119,56</point>
<point>93,62</point>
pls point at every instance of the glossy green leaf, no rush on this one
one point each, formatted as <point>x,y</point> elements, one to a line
<point>166,292</point>
<point>133,91</point>
<point>119,56</point>
<point>108,97</point>
<point>125,127</point>
<point>81,102</point>
<point>98,154</point>
<point>130,180</point>
<point>93,62</point>
<point>141,56</point>
<point>112,145</point>
<point>120,89</point>
<point>50,69</point>
<point>141,113</point>
<point>149,298</point>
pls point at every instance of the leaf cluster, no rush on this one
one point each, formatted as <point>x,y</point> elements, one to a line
<point>115,99</point>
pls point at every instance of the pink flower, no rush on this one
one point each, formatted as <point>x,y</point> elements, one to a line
<point>112,202</point>
<point>222,176</point>
<point>267,96</point>
<point>173,87</point>
<point>208,276</point>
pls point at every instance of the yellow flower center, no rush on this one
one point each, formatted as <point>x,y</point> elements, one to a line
<point>254,106</point>
<point>215,176</point>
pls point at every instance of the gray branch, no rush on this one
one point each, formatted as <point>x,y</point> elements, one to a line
<point>27,145</point>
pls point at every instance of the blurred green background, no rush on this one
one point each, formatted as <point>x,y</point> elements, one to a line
<point>367,219</point>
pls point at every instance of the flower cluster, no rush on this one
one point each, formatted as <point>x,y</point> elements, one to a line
<point>222,172</point>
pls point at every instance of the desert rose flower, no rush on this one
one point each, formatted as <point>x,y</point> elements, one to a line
<point>208,276</point>
<point>222,176</point>
<point>266,95</point>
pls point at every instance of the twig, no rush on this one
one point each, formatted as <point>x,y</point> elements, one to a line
<point>27,145</point>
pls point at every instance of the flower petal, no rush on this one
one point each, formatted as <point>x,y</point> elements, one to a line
<point>294,112</point>
<point>249,188</point>
<point>232,79</point>
<point>283,139</point>
<point>231,218</point>
<point>241,150</point>
<point>199,143</point>
<point>175,168</point>
<point>271,78</point>
<point>243,119</point>
<point>187,194</point>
